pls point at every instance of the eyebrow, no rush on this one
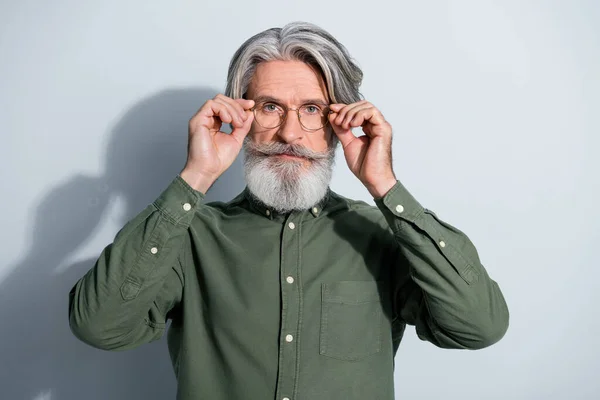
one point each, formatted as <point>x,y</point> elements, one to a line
<point>270,99</point>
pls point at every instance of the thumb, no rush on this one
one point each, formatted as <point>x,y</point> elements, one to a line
<point>345,135</point>
<point>240,133</point>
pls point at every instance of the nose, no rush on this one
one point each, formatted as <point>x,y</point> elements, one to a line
<point>291,131</point>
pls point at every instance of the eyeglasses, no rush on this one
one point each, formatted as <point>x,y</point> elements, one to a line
<point>270,115</point>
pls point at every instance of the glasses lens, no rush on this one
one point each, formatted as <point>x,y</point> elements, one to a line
<point>271,115</point>
<point>313,117</point>
<point>268,115</point>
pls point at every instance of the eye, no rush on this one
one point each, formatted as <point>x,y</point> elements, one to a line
<point>311,109</point>
<point>271,108</point>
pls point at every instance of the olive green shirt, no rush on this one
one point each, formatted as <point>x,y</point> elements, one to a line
<point>303,306</point>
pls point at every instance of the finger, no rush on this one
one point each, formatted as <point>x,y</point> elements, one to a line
<point>342,113</point>
<point>233,105</point>
<point>374,116</point>
<point>373,123</point>
<point>211,115</point>
<point>239,105</point>
<point>344,121</point>
<point>240,133</point>
<point>234,109</point>
<point>354,112</point>
<point>336,107</point>
<point>246,104</point>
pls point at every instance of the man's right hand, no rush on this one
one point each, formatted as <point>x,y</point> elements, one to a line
<point>211,151</point>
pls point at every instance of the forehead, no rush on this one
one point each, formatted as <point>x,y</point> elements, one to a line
<point>289,81</point>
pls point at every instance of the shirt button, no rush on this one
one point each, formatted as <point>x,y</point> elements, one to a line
<point>315,210</point>
<point>268,213</point>
<point>399,208</point>
<point>290,279</point>
<point>291,225</point>
<point>154,250</point>
<point>286,398</point>
<point>187,206</point>
<point>289,338</point>
<point>442,243</point>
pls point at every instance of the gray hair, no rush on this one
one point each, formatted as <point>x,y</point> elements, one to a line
<point>297,41</point>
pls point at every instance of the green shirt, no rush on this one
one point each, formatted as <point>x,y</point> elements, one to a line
<point>304,306</point>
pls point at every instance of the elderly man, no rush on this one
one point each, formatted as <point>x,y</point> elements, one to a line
<point>288,291</point>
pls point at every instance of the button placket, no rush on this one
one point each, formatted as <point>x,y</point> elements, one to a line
<point>291,298</point>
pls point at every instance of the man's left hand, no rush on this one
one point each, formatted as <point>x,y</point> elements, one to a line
<point>369,157</point>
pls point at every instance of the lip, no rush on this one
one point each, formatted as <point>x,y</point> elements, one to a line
<point>289,157</point>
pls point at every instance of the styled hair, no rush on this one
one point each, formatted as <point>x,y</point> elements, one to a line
<point>297,41</point>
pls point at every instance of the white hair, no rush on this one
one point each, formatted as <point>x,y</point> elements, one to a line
<point>297,41</point>
<point>287,185</point>
<point>293,185</point>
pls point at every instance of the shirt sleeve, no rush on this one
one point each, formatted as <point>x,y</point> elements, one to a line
<point>440,285</point>
<point>125,299</point>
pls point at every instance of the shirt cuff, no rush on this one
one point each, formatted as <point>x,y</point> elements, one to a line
<point>179,201</point>
<point>397,205</point>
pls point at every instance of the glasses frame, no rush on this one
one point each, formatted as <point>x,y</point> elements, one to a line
<point>326,109</point>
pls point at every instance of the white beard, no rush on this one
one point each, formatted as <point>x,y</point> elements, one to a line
<point>287,185</point>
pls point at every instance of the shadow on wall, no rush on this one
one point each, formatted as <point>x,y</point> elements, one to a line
<point>39,356</point>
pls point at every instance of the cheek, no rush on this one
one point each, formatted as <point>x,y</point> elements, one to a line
<point>260,135</point>
<point>318,142</point>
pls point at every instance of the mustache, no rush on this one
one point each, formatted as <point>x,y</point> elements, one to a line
<point>278,148</point>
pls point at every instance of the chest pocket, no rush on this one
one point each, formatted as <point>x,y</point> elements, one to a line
<point>351,319</point>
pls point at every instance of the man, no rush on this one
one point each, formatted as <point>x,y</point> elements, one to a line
<point>289,291</point>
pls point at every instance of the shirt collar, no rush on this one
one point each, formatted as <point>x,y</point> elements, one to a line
<point>260,208</point>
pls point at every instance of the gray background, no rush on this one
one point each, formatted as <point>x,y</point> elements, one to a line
<point>494,105</point>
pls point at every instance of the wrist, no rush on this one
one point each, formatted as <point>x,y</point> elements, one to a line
<point>197,180</point>
<point>379,189</point>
